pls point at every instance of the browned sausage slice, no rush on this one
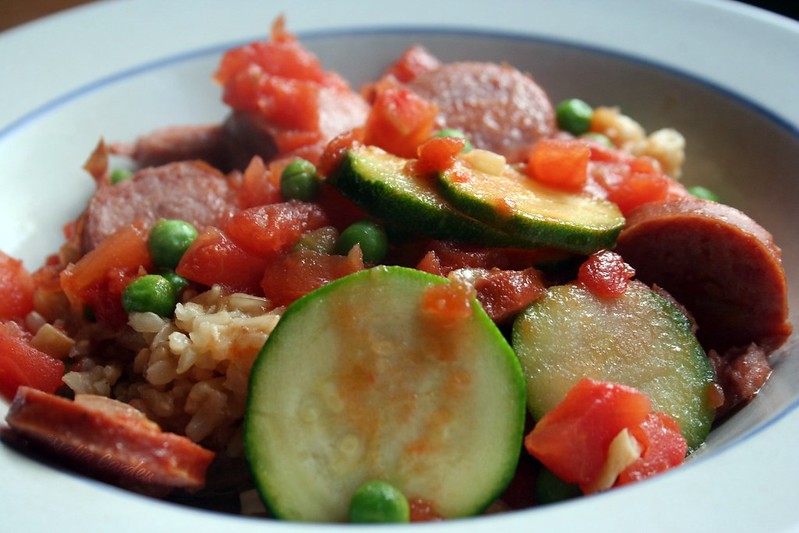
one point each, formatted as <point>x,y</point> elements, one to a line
<point>717,262</point>
<point>498,107</point>
<point>110,439</point>
<point>205,142</point>
<point>190,191</point>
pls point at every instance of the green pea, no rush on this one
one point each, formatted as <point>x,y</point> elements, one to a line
<point>574,115</point>
<point>299,181</point>
<point>178,282</point>
<point>371,237</point>
<point>702,192</point>
<point>377,502</point>
<point>120,174</point>
<point>549,488</point>
<point>150,293</point>
<point>169,240</point>
<point>451,132</point>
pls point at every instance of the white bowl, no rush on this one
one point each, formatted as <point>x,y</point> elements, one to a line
<point>722,73</point>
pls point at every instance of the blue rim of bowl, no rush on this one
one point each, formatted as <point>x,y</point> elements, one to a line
<point>308,37</point>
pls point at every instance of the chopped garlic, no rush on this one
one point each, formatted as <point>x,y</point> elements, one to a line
<point>52,341</point>
<point>667,145</point>
<point>623,451</point>
<point>622,131</point>
<point>485,161</point>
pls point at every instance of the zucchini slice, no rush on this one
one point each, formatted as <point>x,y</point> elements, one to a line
<point>639,339</point>
<point>360,381</point>
<point>518,205</point>
<point>380,185</point>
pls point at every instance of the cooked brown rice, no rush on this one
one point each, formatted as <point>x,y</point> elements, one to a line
<point>189,374</point>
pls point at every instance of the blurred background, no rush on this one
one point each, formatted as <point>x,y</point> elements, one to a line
<point>16,12</point>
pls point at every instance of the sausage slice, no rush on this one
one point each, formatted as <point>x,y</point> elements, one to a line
<point>109,439</point>
<point>190,191</point>
<point>716,261</point>
<point>205,142</point>
<point>498,107</point>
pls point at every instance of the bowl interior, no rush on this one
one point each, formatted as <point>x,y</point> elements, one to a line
<point>746,155</point>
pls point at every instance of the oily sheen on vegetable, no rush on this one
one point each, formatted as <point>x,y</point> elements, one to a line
<point>429,297</point>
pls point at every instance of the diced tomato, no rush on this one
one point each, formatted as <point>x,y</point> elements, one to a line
<point>605,274</point>
<point>283,55</point>
<point>267,230</point>
<point>430,263</point>
<point>399,121</point>
<point>297,273</point>
<point>16,289</point>
<point>438,154</point>
<point>47,276</point>
<point>663,445</point>
<point>292,141</point>
<point>282,83</point>
<point>213,258</point>
<point>340,210</point>
<point>572,439</point>
<point>336,148</point>
<point>123,253</point>
<point>448,303</point>
<point>22,364</point>
<point>606,154</point>
<point>260,183</point>
<point>452,256</point>
<point>632,181</point>
<point>503,293</point>
<point>561,163</point>
<point>104,298</point>
<point>638,189</point>
<point>291,104</point>
<point>97,164</point>
<point>414,61</point>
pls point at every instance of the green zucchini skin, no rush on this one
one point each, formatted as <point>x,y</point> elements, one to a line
<point>355,384</point>
<point>378,183</point>
<point>516,204</point>
<point>639,339</point>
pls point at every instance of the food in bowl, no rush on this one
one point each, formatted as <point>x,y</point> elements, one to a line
<point>365,293</point>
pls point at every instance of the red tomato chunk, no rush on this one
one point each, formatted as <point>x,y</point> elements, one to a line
<point>16,289</point>
<point>297,273</point>
<point>399,121</point>
<point>23,365</point>
<point>605,274</point>
<point>414,61</point>
<point>100,276</point>
<point>438,154</point>
<point>572,440</point>
<point>269,229</point>
<point>561,163</point>
<point>214,258</point>
<point>448,304</point>
<point>663,447</point>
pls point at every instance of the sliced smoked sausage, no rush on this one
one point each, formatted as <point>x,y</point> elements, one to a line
<point>498,107</point>
<point>204,142</point>
<point>190,191</point>
<point>110,439</point>
<point>717,262</point>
